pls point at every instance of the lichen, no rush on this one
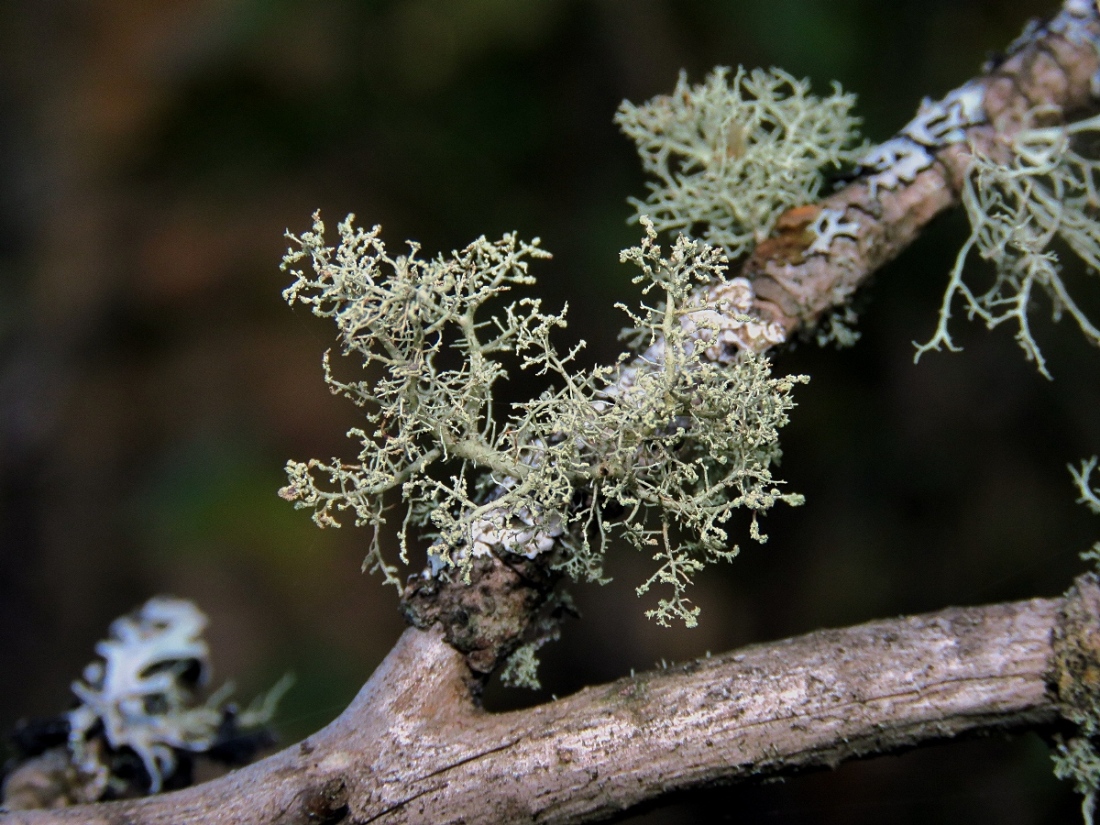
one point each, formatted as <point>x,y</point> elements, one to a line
<point>1041,189</point>
<point>1089,495</point>
<point>661,450</point>
<point>732,154</point>
<point>838,328</point>
<point>1076,759</point>
<point>937,124</point>
<point>897,161</point>
<point>521,668</point>
<point>827,227</point>
<point>143,696</point>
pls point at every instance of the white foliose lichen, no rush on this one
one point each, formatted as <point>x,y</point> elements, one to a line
<point>732,154</point>
<point>827,227</point>
<point>899,160</point>
<point>142,696</point>
<point>937,124</point>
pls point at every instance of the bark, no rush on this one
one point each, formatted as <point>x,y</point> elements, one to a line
<point>414,747</point>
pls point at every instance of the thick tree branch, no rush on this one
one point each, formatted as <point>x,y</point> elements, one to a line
<point>413,747</point>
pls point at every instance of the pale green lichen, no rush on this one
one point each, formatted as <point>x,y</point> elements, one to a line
<point>1043,189</point>
<point>1090,497</point>
<point>1076,759</point>
<point>522,668</point>
<point>838,328</point>
<point>732,154</point>
<point>402,317</point>
<point>661,450</point>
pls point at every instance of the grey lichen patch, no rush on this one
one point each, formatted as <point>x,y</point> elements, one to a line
<point>733,153</point>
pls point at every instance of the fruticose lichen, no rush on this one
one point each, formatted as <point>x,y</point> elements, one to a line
<point>1042,189</point>
<point>661,450</point>
<point>732,154</point>
<point>521,668</point>
<point>1090,497</point>
<point>1076,759</point>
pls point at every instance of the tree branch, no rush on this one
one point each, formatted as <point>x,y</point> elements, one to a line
<point>1048,75</point>
<point>413,746</point>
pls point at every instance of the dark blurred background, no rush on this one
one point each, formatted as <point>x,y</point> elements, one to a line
<point>152,382</point>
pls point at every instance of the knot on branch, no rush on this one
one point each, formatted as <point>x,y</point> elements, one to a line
<point>1075,671</point>
<point>504,604</point>
<point>327,804</point>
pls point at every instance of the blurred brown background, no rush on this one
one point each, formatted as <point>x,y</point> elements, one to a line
<point>152,383</point>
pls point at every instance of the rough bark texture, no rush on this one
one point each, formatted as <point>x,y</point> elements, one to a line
<point>489,616</point>
<point>414,747</point>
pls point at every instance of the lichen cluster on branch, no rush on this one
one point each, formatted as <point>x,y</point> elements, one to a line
<point>662,450</point>
<point>732,154</point>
